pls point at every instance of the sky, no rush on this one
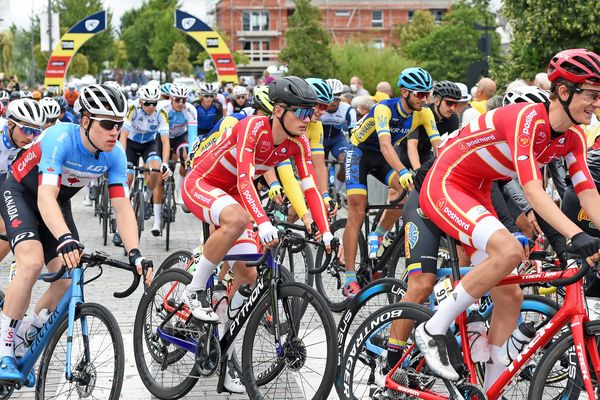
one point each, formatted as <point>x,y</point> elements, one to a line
<point>19,11</point>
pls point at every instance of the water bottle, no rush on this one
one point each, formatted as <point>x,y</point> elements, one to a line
<point>477,334</point>
<point>28,331</point>
<point>516,342</point>
<point>388,239</point>
<point>196,253</point>
<point>373,240</point>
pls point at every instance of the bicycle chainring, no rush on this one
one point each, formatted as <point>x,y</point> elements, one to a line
<point>6,391</point>
<point>207,364</point>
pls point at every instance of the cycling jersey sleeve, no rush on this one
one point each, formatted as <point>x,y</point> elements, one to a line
<point>350,118</point>
<point>163,123</point>
<point>192,126</point>
<point>520,139</point>
<point>306,173</point>
<point>248,135</point>
<point>129,118</point>
<point>315,135</point>
<point>577,161</point>
<point>427,120</point>
<point>382,115</point>
<point>54,153</point>
<point>117,172</point>
<point>291,187</point>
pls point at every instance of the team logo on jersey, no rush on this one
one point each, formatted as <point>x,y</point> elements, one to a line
<point>523,158</point>
<point>381,122</point>
<point>523,140</point>
<point>50,169</point>
<point>412,233</point>
<point>73,180</point>
<point>561,141</point>
<point>541,137</point>
<point>16,223</point>
<point>244,184</point>
<point>463,147</point>
<point>582,216</point>
<point>441,203</point>
<point>264,146</point>
<point>284,150</point>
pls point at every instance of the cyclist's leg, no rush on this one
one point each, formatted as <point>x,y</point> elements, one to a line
<point>4,247</point>
<point>179,147</point>
<point>153,160</point>
<point>339,146</point>
<point>356,189</point>
<point>132,158</point>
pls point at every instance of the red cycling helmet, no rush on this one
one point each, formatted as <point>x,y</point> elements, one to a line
<point>576,66</point>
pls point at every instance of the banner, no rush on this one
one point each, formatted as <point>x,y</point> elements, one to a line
<point>212,42</point>
<point>69,43</point>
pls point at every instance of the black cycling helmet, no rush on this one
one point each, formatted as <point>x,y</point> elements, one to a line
<point>292,91</point>
<point>447,90</point>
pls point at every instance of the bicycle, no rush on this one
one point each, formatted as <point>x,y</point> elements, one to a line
<point>66,343</point>
<point>103,207</point>
<point>169,205</point>
<point>136,194</point>
<point>272,314</point>
<point>412,377</point>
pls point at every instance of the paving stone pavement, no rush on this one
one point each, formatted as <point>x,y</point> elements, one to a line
<point>185,235</point>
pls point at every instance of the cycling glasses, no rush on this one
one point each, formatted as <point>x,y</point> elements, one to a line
<point>208,96</point>
<point>301,112</point>
<point>240,97</point>
<point>150,103</point>
<point>451,103</point>
<point>179,99</point>
<point>27,130</point>
<point>420,95</point>
<point>109,124</point>
<point>590,95</point>
<point>51,120</point>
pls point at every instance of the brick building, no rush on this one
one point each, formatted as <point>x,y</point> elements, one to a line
<point>257,27</point>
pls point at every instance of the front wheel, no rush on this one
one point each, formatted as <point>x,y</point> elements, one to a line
<point>304,365</point>
<point>97,358</point>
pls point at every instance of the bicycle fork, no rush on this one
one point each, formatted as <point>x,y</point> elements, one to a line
<point>76,299</point>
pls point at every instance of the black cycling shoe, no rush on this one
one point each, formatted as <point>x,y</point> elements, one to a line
<point>148,212</point>
<point>117,240</point>
<point>94,192</point>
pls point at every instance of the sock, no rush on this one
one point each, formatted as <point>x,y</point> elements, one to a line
<point>380,231</point>
<point>338,185</point>
<point>448,310</point>
<point>350,277</point>
<point>178,182</point>
<point>8,331</point>
<point>157,214</point>
<point>395,351</point>
<point>204,269</point>
<point>494,368</point>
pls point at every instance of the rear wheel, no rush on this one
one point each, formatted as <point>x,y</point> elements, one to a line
<point>138,209</point>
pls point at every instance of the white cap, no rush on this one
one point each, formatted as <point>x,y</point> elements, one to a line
<point>464,91</point>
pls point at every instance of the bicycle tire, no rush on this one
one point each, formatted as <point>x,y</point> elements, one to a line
<point>287,291</point>
<point>178,259</point>
<point>84,310</point>
<point>138,209</point>
<point>329,290</point>
<point>169,208</point>
<point>104,211</point>
<point>556,354</point>
<point>143,335</point>
<point>308,262</point>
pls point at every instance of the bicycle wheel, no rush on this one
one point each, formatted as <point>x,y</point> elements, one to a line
<point>138,209</point>
<point>329,283</point>
<point>168,371</point>
<point>104,211</point>
<point>168,213</point>
<point>298,262</point>
<point>559,356</point>
<point>97,358</point>
<point>179,259</point>
<point>305,366</point>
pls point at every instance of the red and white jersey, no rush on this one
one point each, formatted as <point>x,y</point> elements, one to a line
<point>246,151</point>
<point>511,142</point>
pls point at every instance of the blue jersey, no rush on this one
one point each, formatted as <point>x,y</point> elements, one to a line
<point>69,117</point>
<point>208,117</point>
<point>142,127</point>
<point>338,122</point>
<point>181,121</point>
<point>59,158</point>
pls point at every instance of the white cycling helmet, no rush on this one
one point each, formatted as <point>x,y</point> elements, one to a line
<point>525,94</point>
<point>179,90</point>
<point>51,107</point>
<point>149,93</point>
<point>337,87</point>
<point>134,87</point>
<point>113,84</point>
<point>4,96</point>
<point>103,100</point>
<point>26,111</point>
<point>240,91</point>
<point>208,89</point>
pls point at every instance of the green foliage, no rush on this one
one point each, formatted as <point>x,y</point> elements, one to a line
<point>6,52</point>
<point>240,58</point>
<point>423,22</point>
<point>370,64</point>
<point>178,60</point>
<point>451,47</point>
<point>99,48</point>
<point>79,65</point>
<point>121,57</point>
<point>543,28</point>
<point>307,52</point>
<point>164,39</point>
<point>41,58</point>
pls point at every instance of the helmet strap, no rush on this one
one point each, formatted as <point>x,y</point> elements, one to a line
<point>566,104</point>
<point>283,125</point>
<point>10,134</point>
<point>86,130</point>
<point>408,102</point>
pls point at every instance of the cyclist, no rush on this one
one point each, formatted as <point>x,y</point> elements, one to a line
<point>65,114</point>
<point>386,124</point>
<point>165,93</point>
<point>51,111</point>
<point>238,100</point>
<point>337,121</point>
<point>37,212</point>
<point>208,108</point>
<point>502,143</point>
<point>144,127</point>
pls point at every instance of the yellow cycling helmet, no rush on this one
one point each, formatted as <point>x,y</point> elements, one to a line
<point>261,99</point>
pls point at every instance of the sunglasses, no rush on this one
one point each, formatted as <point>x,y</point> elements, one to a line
<point>420,95</point>
<point>590,95</point>
<point>208,96</point>
<point>109,124</point>
<point>451,103</point>
<point>27,130</point>
<point>240,97</point>
<point>179,99</point>
<point>322,106</point>
<point>301,112</point>
<point>150,103</point>
<point>51,120</point>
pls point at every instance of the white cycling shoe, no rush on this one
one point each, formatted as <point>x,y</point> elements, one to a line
<point>232,383</point>
<point>434,348</point>
<point>199,305</point>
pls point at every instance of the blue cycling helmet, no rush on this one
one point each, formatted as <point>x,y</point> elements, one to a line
<point>165,88</point>
<point>415,79</point>
<point>61,102</point>
<point>322,89</point>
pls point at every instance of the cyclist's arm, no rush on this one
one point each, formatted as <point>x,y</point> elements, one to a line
<point>192,127</point>
<point>163,131</point>
<point>291,187</point>
<point>382,116</point>
<point>127,126</point>
<point>412,150</point>
<point>50,210</point>
<point>428,122</point>
<point>315,135</point>
<point>123,137</point>
<point>350,119</point>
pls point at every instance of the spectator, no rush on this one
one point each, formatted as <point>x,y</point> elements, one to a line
<point>465,99</point>
<point>13,84</point>
<point>362,105</point>
<point>347,98</point>
<point>516,83</point>
<point>71,94</point>
<point>267,78</point>
<point>486,88</point>
<point>541,80</point>
<point>384,91</point>
<point>357,88</point>
<point>494,102</point>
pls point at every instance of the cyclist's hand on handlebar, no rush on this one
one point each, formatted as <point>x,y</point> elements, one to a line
<point>332,206</point>
<point>327,237</point>
<point>406,179</point>
<point>533,221</point>
<point>143,265</point>
<point>308,224</point>
<point>269,235</point>
<point>586,246</point>
<point>166,171</point>
<point>69,249</point>
<point>275,193</point>
<point>524,242</point>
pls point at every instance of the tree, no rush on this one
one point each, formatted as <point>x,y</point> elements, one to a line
<point>543,28</point>
<point>308,52</point>
<point>179,60</point>
<point>121,57</point>
<point>421,25</point>
<point>164,40</point>
<point>448,50</point>
<point>6,50</point>
<point>79,65</point>
<point>371,64</point>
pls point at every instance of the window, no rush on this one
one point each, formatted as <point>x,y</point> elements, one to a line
<point>437,14</point>
<point>411,14</point>
<point>378,43</point>
<point>256,49</point>
<point>377,19</point>
<point>342,13</point>
<point>255,21</point>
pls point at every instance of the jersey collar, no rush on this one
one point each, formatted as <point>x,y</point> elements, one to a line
<point>401,109</point>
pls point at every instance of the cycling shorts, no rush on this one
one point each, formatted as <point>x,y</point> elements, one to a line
<point>463,210</point>
<point>207,202</point>
<point>177,144</point>
<point>363,162</point>
<point>572,209</point>
<point>335,145</point>
<point>24,222</point>
<point>148,151</point>
<point>421,238</point>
